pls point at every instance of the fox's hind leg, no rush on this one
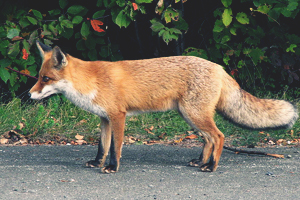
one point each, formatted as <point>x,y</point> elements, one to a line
<point>201,118</point>
<point>103,146</point>
<point>207,150</point>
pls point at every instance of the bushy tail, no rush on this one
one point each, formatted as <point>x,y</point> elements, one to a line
<point>252,112</point>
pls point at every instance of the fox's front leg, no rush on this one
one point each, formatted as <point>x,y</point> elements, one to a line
<point>103,146</point>
<point>118,124</point>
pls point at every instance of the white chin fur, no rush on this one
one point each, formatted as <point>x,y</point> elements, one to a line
<point>84,101</point>
<point>47,91</point>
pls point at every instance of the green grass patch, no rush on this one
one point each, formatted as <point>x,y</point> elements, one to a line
<point>59,119</point>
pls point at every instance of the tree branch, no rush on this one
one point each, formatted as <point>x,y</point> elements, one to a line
<point>22,73</point>
<point>253,152</point>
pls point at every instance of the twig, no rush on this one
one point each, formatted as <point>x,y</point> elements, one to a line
<point>253,152</point>
<point>22,73</point>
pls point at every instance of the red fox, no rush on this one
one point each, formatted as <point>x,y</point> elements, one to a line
<point>195,87</point>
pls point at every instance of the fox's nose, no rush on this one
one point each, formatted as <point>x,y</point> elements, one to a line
<point>29,94</point>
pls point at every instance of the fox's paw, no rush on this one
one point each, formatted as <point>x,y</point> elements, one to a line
<point>195,163</point>
<point>207,168</point>
<point>93,164</point>
<point>109,169</point>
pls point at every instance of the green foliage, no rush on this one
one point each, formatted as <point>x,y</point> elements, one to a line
<point>21,27</point>
<point>255,45</point>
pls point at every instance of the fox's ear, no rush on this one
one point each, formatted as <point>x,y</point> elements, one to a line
<point>59,58</point>
<point>43,48</point>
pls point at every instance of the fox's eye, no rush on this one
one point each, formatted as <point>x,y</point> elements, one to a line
<point>46,78</point>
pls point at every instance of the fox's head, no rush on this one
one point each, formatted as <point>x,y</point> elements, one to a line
<point>51,75</point>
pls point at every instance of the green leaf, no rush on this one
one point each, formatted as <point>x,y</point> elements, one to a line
<point>3,32</point>
<point>33,70</point>
<point>26,45</point>
<point>157,26</point>
<point>85,29</point>
<point>286,12</point>
<point>3,47</point>
<point>121,3</point>
<point>226,3</point>
<point>143,1</point>
<point>100,40</point>
<point>122,19</point>
<point>67,33</point>
<point>13,33</point>
<point>67,23</point>
<point>14,49</point>
<point>219,26</point>
<point>74,10</point>
<point>98,14</point>
<point>175,30</point>
<point>90,43</point>
<point>264,9</point>
<point>13,80</point>
<point>104,52</point>
<point>32,20</point>
<point>181,24</point>
<point>226,59</point>
<point>48,42</point>
<point>99,3</point>
<point>24,23</point>
<point>191,51</point>
<point>80,45</point>
<point>242,18</point>
<point>53,29</point>
<point>38,14</point>
<point>54,12</point>
<point>92,54</point>
<point>241,63</point>
<point>77,20</point>
<point>227,16</point>
<point>4,74</point>
<point>233,31</point>
<point>256,55</point>
<point>5,62</point>
<point>291,48</point>
<point>292,5</point>
<point>225,39</point>
<point>63,3</point>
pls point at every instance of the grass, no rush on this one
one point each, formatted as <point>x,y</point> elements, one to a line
<point>58,119</point>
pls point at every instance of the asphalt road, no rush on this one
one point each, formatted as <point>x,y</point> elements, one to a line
<point>147,172</point>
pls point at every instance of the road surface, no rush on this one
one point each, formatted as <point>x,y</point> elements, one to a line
<point>146,172</point>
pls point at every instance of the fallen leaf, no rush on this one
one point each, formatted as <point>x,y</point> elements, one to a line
<point>81,122</point>
<point>148,131</point>
<point>79,137</point>
<point>162,136</point>
<point>178,141</point>
<point>81,142</point>
<point>192,136</point>
<point>23,141</point>
<point>21,125</point>
<point>129,140</point>
<point>3,141</point>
